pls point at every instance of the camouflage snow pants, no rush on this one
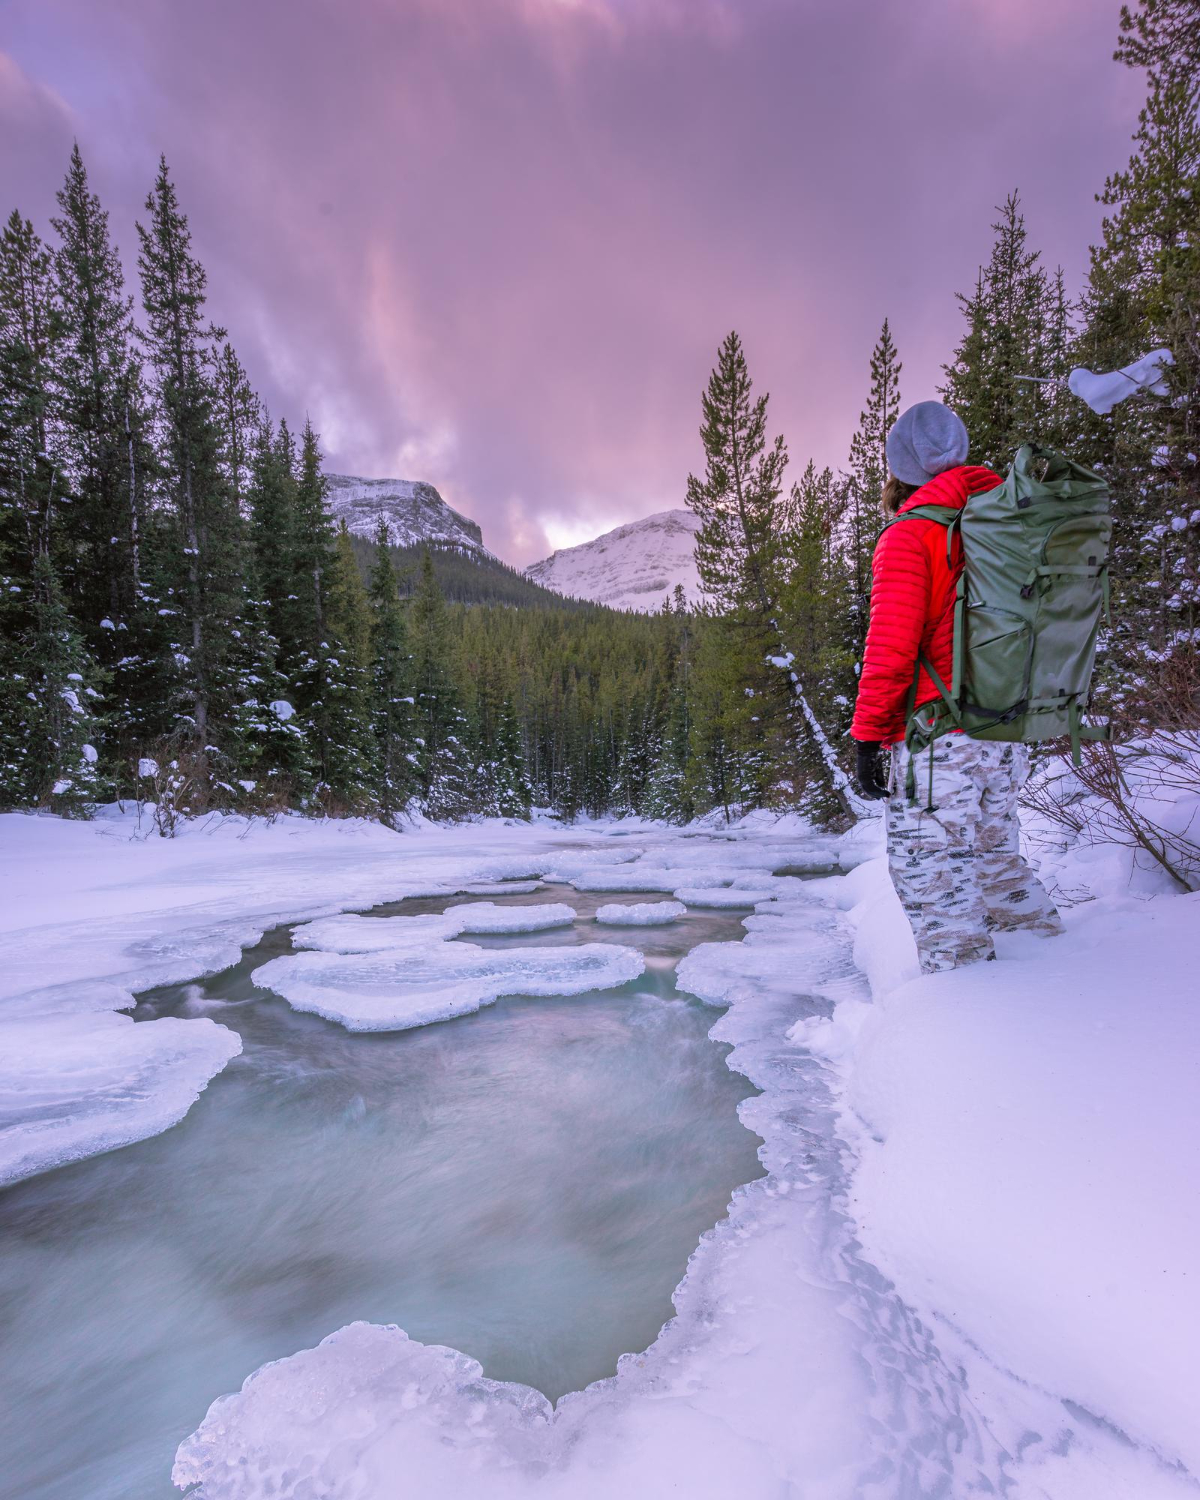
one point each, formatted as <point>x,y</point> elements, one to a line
<point>958,870</point>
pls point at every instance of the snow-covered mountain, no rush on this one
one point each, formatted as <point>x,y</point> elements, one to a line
<point>414,511</point>
<point>633,567</point>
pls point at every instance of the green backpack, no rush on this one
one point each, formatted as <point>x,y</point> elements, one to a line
<point>1030,599</point>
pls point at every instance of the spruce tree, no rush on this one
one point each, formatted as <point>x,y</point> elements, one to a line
<point>270,744</point>
<point>60,687</point>
<point>344,728</point>
<point>49,690</point>
<point>20,771</point>
<point>739,549</point>
<point>16,747</point>
<point>30,477</point>
<point>343,731</point>
<point>108,465</point>
<point>1015,325</point>
<point>26,472</point>
<point>271,504</point>
<point>499,783</point>
<point>1056,416</point>
<point>668,794</point>
<point>238,415</point>
<point>206,587</point>
<point>100,408</point>
<point>867,474</point>
<point>349,613</point>
<point>391,695</point>
<point>818,584</point>
<point>309,557</point>
<point>715,771</point>
<point>325,668</point>
<point>819,598</point>
<point>147,672</point>
<point>512,786</point>
<point>641,752</point>
<point>1144,292</point>
<point>737,501</point>
<point>1162,36</point>
<point>442,753</point>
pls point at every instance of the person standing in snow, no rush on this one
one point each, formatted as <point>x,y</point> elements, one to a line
<point>957,868</point>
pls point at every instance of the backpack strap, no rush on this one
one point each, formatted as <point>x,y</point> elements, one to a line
<point>942,515</point>
<point>953,527</point>
<point>951,706</point>
<point>935,677</point>
<point>1065,570</point>
<point>951,519</point>
<point>948,708</point>
<point>1080,731</point>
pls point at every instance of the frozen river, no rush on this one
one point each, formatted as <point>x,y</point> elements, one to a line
<point>525,1184</point>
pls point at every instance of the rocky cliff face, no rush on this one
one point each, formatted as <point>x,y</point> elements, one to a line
<point>414,512</point>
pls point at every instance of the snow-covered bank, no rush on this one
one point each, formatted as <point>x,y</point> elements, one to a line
<point>72,1085</point>
<point>1027,1137</point>
<point>1028,1168</point>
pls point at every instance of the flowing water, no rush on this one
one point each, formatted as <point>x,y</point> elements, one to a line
<point>525,1184</point>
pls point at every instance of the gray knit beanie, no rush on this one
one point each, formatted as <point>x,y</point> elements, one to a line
<point>926,440</point>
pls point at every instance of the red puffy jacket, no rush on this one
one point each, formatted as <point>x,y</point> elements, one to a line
<point>912,607</point>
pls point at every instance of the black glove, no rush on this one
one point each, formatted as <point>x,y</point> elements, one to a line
<point>872,772</point>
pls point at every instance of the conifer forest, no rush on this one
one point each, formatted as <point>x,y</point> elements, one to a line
<point>181,623</point>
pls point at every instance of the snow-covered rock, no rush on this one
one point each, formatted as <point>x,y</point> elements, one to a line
<point>355,934</point>
<point>414,512</point>
<point>725,897</point>
<point>640,913</point>
<point>73,1085</point>
<point>504,887</point>
<point>405,987</point>
<point>479,917</point>
<point>634,567</point>
<point>643,878</point>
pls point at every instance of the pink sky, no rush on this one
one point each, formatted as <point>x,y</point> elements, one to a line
<point>494,244</point>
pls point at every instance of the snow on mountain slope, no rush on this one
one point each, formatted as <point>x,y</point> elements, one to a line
<point>633,567</point>
<point>414,511</point>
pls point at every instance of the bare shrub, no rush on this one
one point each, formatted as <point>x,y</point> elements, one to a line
<point>267,798</point>
<point>1143,795</point>
<point>175,781</point>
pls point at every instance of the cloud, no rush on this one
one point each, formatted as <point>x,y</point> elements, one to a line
<point>494,244</point>
<point>35,134</point>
